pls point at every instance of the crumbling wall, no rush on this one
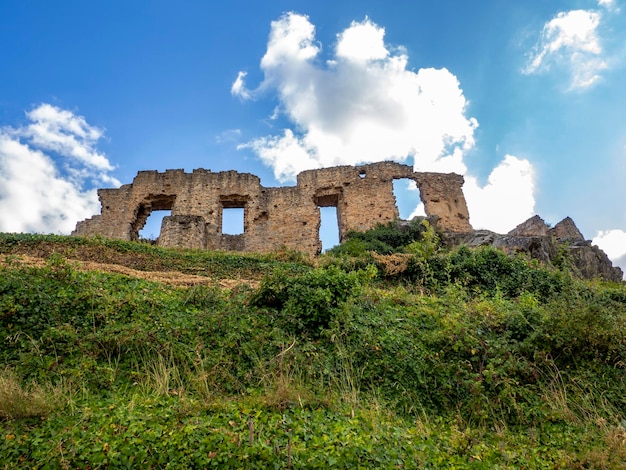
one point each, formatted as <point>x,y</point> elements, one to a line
<point>442,195</point>
<point>273,217</point>
<point>187,231</point>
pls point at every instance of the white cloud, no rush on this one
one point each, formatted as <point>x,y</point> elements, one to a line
<point>571,41</point>
<point>364,105</point>
<point>61,131</point>
<point>291,41</point>
<point>230,135</point>
<point>610,5</point>
<point>506,200</point>
<point>40,192</point>
<point>613,243</point>
<point>287,154</point>
<point>238,88</point>
<point>362,42</point>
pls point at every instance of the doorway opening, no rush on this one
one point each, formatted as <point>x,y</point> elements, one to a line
<point>160,206</point>
<point>152,229</point>
<point>327,202</point>
<point>329,227</point>
<point>408,200</point>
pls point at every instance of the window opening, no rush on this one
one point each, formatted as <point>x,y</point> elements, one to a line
<point>329,228</point>
<point>232,220</point>
<point>408,199</point>
<point>152,229</point>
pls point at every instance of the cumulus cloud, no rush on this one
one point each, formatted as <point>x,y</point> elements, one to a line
<point>362,42</point>
<point>363,105</point>
<point>571,41</point>
<point>506,200</point>
<point>63,132</point>
<point>48,169</point>
<point>612,242</point>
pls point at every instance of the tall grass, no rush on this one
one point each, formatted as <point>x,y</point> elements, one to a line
<point>19,400</point>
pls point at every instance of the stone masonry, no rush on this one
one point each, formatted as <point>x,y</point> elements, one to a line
<point>274,217</point>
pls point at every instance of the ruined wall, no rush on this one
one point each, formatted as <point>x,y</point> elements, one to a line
<point>273,217</point>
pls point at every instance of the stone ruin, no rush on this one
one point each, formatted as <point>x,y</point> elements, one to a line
<point>276,217</point>
<point>289,217</point>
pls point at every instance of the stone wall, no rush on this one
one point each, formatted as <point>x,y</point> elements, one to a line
<point>273,217</point>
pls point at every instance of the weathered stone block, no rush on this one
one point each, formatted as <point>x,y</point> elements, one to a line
<point>187,231</point>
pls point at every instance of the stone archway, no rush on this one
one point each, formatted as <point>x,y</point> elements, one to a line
<point>160,202</point>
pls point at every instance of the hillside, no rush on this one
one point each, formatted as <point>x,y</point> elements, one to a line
<point>120,354</point>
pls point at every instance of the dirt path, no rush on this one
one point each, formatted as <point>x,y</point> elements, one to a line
<point>173,278</point>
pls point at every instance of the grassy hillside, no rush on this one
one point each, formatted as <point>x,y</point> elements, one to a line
<point>120,354</point>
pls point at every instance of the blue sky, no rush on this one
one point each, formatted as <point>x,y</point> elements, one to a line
<point>525,99</point>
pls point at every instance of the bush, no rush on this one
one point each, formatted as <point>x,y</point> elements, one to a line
<point>489,270</point>
<point>308,300</point>
<point>385,239</point>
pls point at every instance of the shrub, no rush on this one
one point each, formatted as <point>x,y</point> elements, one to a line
<point>308,300</point>
<point>385,239</point>
<point>489,270</point>
<point>427,244</point>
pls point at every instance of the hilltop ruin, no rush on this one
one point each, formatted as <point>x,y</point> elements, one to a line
<point>274,217</point>
<point>289,217</point>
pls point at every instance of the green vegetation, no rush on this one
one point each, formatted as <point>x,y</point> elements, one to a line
<point>418,358</point>
<point>146,257</point>
<point>388,238</point>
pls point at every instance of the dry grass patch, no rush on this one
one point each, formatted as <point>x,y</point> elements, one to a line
<point>32,400</point>
<point>172,278</point>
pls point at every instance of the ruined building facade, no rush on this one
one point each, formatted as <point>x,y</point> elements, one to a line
<point>274,217</point>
